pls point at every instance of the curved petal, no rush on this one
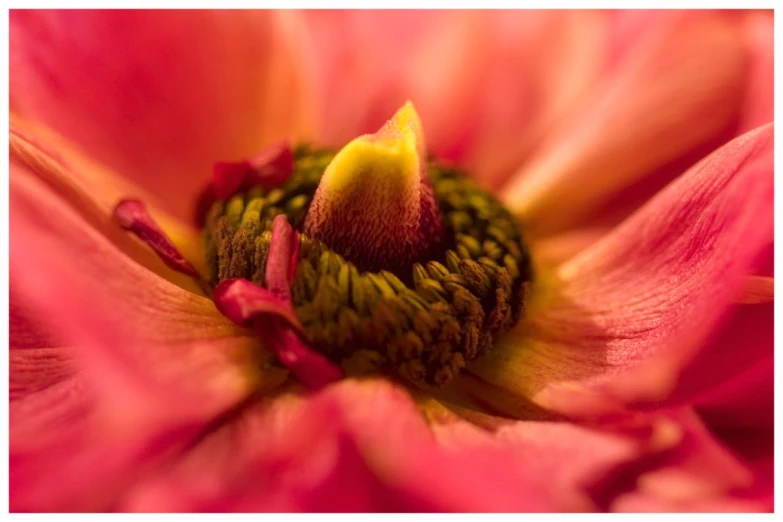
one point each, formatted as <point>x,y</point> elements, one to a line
<point>93,191</point>
<point>161,95</point>
<point>356,446</point>
<point>624,318</point>
<point>676,85</point>
<point>613,463</point>
<point>744,401</point>
<point>135,365</point>
<point>697,475</point>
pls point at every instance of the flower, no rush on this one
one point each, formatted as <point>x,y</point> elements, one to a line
<point>639,379</point>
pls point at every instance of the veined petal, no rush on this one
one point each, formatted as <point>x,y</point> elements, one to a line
<point>93,191</point>
<point>623,318</point>
<point>676,86</point>
<point>161,96</point>
<point>149,364</point>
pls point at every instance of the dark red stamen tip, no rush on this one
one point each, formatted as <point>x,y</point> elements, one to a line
<point>270,168</point>
<point>311,368</point>
<point>132,215</point>
<point>270,311</point>
<point>242,302</point>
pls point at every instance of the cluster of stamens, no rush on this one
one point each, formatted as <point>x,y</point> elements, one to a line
<point>427,320</point>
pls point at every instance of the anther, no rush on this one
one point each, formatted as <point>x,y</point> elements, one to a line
<point>425,320</point>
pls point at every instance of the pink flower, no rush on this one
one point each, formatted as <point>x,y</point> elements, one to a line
<point>635,148</point>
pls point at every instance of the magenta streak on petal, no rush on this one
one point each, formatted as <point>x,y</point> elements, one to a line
<point>132,215</point>
<point>269,168</point>
<point>270,311</point>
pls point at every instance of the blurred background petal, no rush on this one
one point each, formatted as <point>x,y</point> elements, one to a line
<point>161,95</point>
<point>674,82</point>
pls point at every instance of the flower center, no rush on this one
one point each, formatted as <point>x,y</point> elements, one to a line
<point>425,319</point>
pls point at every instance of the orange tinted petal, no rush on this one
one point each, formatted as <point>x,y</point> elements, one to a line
<point>161,95</point>
<point>676,86</point>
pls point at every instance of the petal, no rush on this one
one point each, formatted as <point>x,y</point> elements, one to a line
<point>698,474</point>
<point>746,400</point>
<point>676,86</point>
<point>487,87</point>
<point>45,389</point>
<point>151,96</point>
<point>758,289</point>
<point>758,107</point>
<point>148,365</point>
<point>610,462</point>
<point>618,323</point>
<point>93,191</point>
<point>356,446</point>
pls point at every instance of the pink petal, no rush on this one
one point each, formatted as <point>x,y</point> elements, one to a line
<point>161,96</point>
<point>613,461</point>
<point>93,192</point>
<point>731,375</point>
<point>150,363</point>
<point>756,448</point>
<point>487,86</point>
<point>698,474</point>
<point>355,446</point>
<point>758,289</point>
<point>617,325</point>
<point>758,108</point>
<point>677,85</point>
<point>746,400</point>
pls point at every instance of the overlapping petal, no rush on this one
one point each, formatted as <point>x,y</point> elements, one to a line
<point>135,365</point>
<point>356,446</point>
<point>619,324</point>
<point>131,393</point>
<point>161,96</point>
<point>676,83</point>
<point>696,475</point>
<point>92,190</point>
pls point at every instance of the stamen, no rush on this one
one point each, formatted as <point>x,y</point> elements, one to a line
<point>270,310</point>
<point>425,321</point>
<point>269,169</point>
<point>132,215</point>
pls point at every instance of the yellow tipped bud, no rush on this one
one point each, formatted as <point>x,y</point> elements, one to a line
<point>374,197</point>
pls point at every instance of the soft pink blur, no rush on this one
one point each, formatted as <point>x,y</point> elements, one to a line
<point>635,147</point>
